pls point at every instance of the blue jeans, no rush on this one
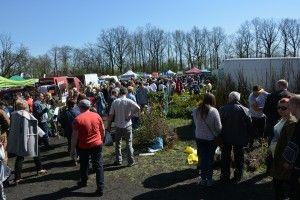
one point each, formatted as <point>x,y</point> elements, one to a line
<point>206,150</point>
<point>97,161</point>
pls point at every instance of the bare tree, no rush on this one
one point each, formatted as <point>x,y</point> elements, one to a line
<point>40,65</point>
<point>217,37</point>
<point>64,56</point>
<point>294,36</point>
<point>155,45</point>
<point>284,28</point>
<point>178,40</point>
<point>243,41</point>
<point>9,56</point>
<point>121,43</point>
<point>268,36</point>
<point>54,53</point>
<point>106,43</point>
<point>188,49</point>
<point>256,23</point>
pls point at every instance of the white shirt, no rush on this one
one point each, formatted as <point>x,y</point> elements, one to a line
<point>277,131</point>
<point>123,109</point>
<point>153,87</point>
<point>260,102</point>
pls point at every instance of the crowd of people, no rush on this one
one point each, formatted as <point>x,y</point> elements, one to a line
<point>271,116</point>
<point>29,120</point>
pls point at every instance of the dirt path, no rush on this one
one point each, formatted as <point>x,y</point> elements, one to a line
<point>138,182</point>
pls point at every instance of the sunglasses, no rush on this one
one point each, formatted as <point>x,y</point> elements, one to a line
<point>282,108</point>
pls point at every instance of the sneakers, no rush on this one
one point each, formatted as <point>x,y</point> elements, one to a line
<point>99,192</point>
<point>42,172</point>
<point>131,164</point>
<point>117,163</point>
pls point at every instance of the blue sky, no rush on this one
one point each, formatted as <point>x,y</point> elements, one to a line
<point>41,24</point>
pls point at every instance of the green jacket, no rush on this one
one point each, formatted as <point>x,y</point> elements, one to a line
<point>278,171</point>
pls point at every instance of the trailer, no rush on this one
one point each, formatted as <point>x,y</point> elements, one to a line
<point>262,71</point>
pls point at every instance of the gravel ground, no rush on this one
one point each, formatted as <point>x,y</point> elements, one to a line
<point>122,183</point>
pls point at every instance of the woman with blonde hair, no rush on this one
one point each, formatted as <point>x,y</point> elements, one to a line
<point>23,138</point>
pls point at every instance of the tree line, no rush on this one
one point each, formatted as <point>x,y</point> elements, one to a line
<point>150,48</point>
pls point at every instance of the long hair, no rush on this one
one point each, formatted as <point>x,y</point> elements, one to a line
<point>208,100</point>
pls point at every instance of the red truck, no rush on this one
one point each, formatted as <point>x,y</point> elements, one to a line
<point>61,82</point>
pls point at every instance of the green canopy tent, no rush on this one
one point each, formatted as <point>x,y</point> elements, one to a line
<point>8,83</point>
<point>16,78</point>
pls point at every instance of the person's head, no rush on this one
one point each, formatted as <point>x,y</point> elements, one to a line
<point>71,102</point>
<point>123,91</point>
<point>27,95</point>
<point>80,97</point>
<point>281,85</point>
<point>84,105</point>
<point>114,92</point>
<point>2,105</point>
<point>283,108</point>
<point>48,96</point>
<point>234,97</point>
<point>21,105</point>
<point>294,105</point>
<point>256,90</point>
<point>40,96</point>
<point>208,100</point>
<point>118,84</point>
<point>130,89</point>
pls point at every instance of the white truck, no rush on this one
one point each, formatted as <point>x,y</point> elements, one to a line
<point>262,71</point>
<point>91,79</point>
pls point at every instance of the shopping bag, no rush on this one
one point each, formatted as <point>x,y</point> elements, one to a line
<point>108,141</point>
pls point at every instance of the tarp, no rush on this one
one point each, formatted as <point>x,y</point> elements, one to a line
<point>194,70</point>
<point>169,72</point>
<point>130,73</point>
<point>16,78</point>
<point>7,83</point>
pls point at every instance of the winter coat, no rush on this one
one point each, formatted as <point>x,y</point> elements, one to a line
<point>24,133</point>
<point>236,124</point>
<point>278,171</point>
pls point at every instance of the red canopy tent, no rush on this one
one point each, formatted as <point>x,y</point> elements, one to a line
<point>194,70</point>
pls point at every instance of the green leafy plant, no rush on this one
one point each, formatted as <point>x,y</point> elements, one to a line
<point>182,105</point>
<point>153,124</point>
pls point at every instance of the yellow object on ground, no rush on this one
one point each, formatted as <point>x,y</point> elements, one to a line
<point>192,158</point>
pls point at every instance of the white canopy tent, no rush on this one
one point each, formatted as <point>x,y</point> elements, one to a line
<point>128,75</point>
<point>170,73</point>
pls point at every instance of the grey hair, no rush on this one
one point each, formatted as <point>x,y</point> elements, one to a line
<point>234,96</point>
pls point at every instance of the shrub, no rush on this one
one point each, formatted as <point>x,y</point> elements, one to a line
<point>153,124</point>
<point>182,105</point>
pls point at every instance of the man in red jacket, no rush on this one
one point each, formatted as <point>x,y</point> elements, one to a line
<point>88,135</point>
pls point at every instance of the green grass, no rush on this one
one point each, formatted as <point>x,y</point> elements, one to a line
<point>167,160</point>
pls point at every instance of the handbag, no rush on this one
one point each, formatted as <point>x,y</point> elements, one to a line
<point>218,139</point>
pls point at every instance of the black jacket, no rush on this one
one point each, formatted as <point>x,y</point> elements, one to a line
<point>270,108</point>
<point>236,124</point>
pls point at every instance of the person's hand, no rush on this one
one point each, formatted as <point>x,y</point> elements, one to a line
<point>73,153</point>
